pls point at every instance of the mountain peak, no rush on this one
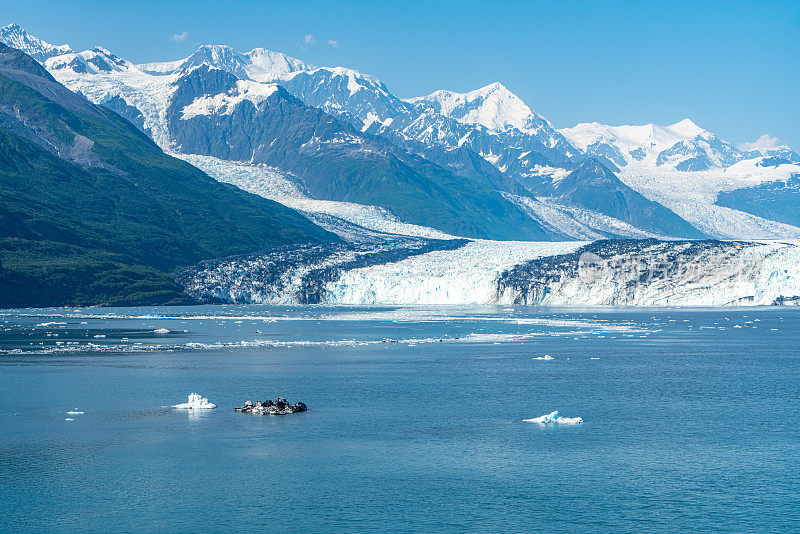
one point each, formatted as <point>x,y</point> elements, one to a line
<point>259,64</point>
<point>494,87</point>
<point>492,106</point>
<point>687,128</point>
<point>15,36</point>
<point>98,60</point>
<point>682,146</point>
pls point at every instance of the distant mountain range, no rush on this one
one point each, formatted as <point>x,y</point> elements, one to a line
<point>479,164</point>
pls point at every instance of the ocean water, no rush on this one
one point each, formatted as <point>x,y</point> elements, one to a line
<point>415,421</point>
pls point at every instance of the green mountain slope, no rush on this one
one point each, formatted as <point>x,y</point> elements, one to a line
<point>93,212</point>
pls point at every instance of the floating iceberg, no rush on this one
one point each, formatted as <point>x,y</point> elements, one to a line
<point>196,402</point>
<point>554,418</point>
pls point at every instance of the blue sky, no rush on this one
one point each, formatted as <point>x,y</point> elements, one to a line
<point>732,67</point>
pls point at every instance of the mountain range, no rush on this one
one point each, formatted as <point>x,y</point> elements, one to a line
<point>479,164</point>
<point>92,211</point>
<point>340,147</point>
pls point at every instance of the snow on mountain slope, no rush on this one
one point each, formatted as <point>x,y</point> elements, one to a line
<point>16,37</point>
<point>421,127</point>
<point>108,80</point>
<point>692,196</point>
<point>224,103</point>
<point>493,107</point>
<point>258,64</point>
<point>685,167</point>
<point>274,185</point>
<point>211,111</point>
<point>490,125</point>
<point>522,143</point>
<point>494,113</point>
<point>683,146</point>
<point>632,138</point>
<point>95,61</point>
<point>769,146</point>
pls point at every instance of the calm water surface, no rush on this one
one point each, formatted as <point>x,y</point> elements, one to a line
<point>415,421</point>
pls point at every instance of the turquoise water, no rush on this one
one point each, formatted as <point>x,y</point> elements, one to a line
<point>692,420</point>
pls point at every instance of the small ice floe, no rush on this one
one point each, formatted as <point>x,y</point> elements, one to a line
<point>196,402</point>
<point>555,419</point>
<point>546,357</point>
<point>162,331</point>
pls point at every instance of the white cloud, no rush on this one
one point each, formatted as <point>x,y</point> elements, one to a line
<point>309,39</point>
<point>333,43</point>
<point>765,142</point>
<point>179,37</point>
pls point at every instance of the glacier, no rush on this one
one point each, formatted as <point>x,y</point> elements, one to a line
<point>693,196</point>
<point>660,273</point>
<point>617,273</point>
<point>279,186</point>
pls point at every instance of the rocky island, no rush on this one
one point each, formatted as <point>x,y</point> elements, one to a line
<point>279,407</point>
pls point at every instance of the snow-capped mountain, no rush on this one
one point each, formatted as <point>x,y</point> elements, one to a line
<point>258,64</point>
<point>232,106</point>
<point>16,37</point>
<point>502,128</point>
<point>682,146</point>
<point>94,61</point>
<point>402,181</point>
<point>493,107</point>
<point>491,122</point>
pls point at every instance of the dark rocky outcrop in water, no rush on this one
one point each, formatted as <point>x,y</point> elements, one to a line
<point>279,407</point>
